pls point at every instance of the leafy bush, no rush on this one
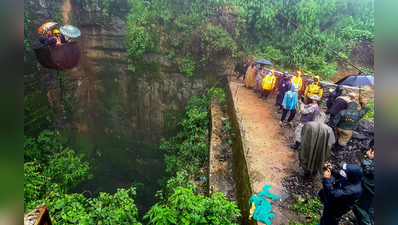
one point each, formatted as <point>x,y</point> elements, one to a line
<point>41,148</point>
<point>316,65</point>
<point>310,208</point>
<point>189,148</point>
<point>187,65</point>
<point>274,55</point>
<point>370,115</point>
<point>67,170</point>
<point>76,209</point>
<point>184,207</point>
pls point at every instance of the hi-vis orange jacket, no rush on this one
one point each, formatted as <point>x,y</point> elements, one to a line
<point>269,81</point>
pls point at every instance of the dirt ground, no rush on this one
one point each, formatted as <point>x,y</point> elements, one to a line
<point>295,186</point>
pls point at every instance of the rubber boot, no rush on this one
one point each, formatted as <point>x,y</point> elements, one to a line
<point>296,145</point>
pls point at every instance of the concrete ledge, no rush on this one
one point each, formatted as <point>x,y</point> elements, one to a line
<point>242,179</point>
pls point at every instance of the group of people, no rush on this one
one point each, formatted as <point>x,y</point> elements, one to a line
<point>353,186</point>
<point>54,38</point>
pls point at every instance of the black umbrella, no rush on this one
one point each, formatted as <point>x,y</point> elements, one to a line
<point>357,80</point>
<point>263,61</point>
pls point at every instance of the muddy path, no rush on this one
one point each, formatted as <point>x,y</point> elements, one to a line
<point>294,185</point>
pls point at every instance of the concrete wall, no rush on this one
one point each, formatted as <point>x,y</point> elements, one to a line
<point>243,187</point>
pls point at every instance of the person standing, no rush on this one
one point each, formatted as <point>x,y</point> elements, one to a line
<point>268,84</point>
<point>245,66</point>
<point>345,122</point>
<point>339,196</point>
<point>317,139</point>
<point>308,113</point>
<point>333,96</point>
<point>250,76</point>
<point>340,104</point>
<point>315,88</point>
<point>283,87</point>
<point>260,74</point>
<point>296,80</point>
<point>364,207</point>
<point>289,103</point>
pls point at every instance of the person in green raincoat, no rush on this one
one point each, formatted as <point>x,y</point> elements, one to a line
<point>364,208</point>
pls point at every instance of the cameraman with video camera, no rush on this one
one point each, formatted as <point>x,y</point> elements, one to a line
<point>339,195</point>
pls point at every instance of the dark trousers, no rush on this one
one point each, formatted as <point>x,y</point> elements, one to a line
<point>364,208</point>
<point>328,217</point>
<point>292,114</point>
<point>265,93</point>
<point>244,75</point>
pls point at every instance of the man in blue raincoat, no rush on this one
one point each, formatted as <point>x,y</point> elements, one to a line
<point>340,195</point>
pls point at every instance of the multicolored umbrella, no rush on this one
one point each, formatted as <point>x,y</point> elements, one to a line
<point>70,31</point>
<point>46,27</point>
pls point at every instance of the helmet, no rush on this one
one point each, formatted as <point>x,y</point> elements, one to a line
<point>272,71</point>
<point>56,31</point>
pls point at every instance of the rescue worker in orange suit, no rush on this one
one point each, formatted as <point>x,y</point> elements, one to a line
<point>57,37</point>
<point>315,88</point>
<point>268,84</point>
<point>296,80</point>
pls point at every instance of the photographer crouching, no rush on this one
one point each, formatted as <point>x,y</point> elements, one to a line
<point>339,195</point>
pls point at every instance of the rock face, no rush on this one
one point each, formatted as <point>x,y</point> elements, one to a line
<point>103,96</point>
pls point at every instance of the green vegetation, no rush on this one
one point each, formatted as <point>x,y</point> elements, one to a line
<point>184,207</point>
<point>228,125</point>
<point>189,148</point>
<point>184,154</point>
<point>194,42</point>
<point>50,171</point>
<point>337,23</point>
<point>26,23</point>
<point>370,115</point>
<point>311,208</point>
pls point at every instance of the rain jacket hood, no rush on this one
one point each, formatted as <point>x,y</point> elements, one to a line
<point>352,105</point>
<point>349,118</point>
<point>317,77</point>
<point>354,173</point>
<point>290,99</point>
<point>292,88</point>
<point>339,88</point>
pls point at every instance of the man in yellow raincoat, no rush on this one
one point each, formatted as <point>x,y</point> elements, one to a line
<point>315,88</point>
<point>296,80</point>
<point>268,84</point>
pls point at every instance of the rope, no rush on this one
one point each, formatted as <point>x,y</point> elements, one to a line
<point>290,21</point>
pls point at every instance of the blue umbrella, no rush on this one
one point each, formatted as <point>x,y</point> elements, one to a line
<point>70,31</point>
<point>263,61</point>
<point>357,80</point>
